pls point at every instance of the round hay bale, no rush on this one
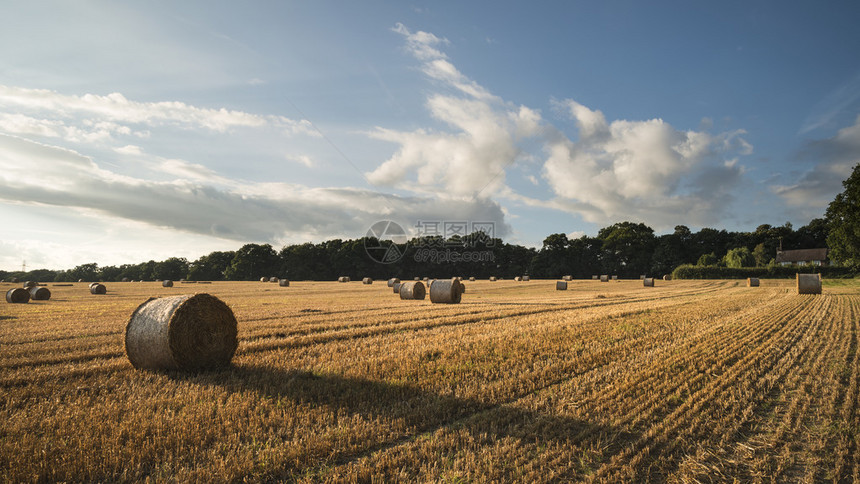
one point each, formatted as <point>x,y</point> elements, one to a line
<point>561,285</point>
<point>416,279</point>
<point>396,287</point>
<point>752,282</point>
<point>264,279</point>
<point>472,279</point>
<point>367,280</point>
<point>445,292</point>
<point>14,280</point>
<point>393,281</point>
<point>493,278</point>
<point>93,284</point>
<point>412,290</point>
<point>125,279</point>
<point>97,288</point>
<point>29,284</point>
<point>284,282</point>
<point>614,278</point>
<point>595,277</point>
<point>518,279</point>
<point>567,278</point>
<point>648,282</point>
<point>167,283</point>
<point>667,277</point>
<point>80,280</point>
<point>642,277</point>
<point>604,278</point>
<point>809,283</point>
<point>190,332</point>
<point>426,279</point>
<point>273,279</point>
<point>526,279</point>
<point>40,293</point>
<point>17,295</point>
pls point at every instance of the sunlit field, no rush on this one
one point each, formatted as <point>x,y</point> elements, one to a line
<point>685,381</point>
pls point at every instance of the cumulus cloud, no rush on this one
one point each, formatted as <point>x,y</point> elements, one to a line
<point>641,170</point>
<point>836,157</point>
<point>193,203</point>
<point>471,159</point>
<point>114,110</point>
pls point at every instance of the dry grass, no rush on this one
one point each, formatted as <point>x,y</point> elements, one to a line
<point>690,381</point>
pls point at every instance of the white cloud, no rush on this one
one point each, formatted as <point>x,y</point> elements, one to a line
<point>640,170</point>
<point>193,203</point>
<point>835,159</point>
<point>114,109</point>
<point>470,160</point>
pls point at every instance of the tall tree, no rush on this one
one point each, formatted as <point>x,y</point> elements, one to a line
<point>843,217</point>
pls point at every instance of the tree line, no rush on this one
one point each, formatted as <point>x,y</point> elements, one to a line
<point>626,249</point>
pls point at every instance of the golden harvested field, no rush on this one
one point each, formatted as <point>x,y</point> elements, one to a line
<point>686,381</point>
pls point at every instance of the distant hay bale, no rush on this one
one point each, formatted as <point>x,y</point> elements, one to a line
<point>412,290</point>
<point>80,280</point>
<point>98,289</point>
<point>393,281</point>
<point>667,277</point>
<point>125,279</point>
<point>343,279</point>
<point>561,286</point>
<point>284,282</point>
<point>17,295</point>
<point>445,292</point>
<point>642,277</point>
<point>367,280</point>
<point>426,279</point>
<point>614,278</point>
<point>525,278</point>
<point>273,279</point>
<point>809,283</point>
<point>472,279</point>
<point>38,293</point>
<point>190,332</point>
<point>648,282</point>
<point>493,278</point>
<point>14,280</point>
<point>567,278</point>
<point>264,279</point>
<point>167,283</point>
<point>518,279</point>
<point>396,287</point>
<point>604,278</point>
<point>93,284</point>
<point>416,279</point>
<point>752,282</point>
<point>29,284</point>
<point>595,277</point>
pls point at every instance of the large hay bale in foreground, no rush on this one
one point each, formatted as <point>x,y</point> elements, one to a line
<point>284,282</point>
<point>38,293</point>
<point>752,282</point>
<point>367,280</point>
<point>98,289</point>
<point>604,278</point>
<point>809,283</point>
<point>189,332</point>
<point>445,292</point>
<point>167,283</point>
<point>561,285</point>
<point>648,282</point>
<point>17,295</point>
<point>393,281</point>
<point>412,290</point>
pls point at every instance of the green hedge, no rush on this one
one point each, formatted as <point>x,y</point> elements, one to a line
<point>772,272</point>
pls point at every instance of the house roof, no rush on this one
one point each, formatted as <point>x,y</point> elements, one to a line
<point>802,255</point>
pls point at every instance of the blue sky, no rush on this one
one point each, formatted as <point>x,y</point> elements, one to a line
<point>132,131</point>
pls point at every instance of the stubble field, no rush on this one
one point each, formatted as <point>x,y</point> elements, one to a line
<point>686,381</point>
